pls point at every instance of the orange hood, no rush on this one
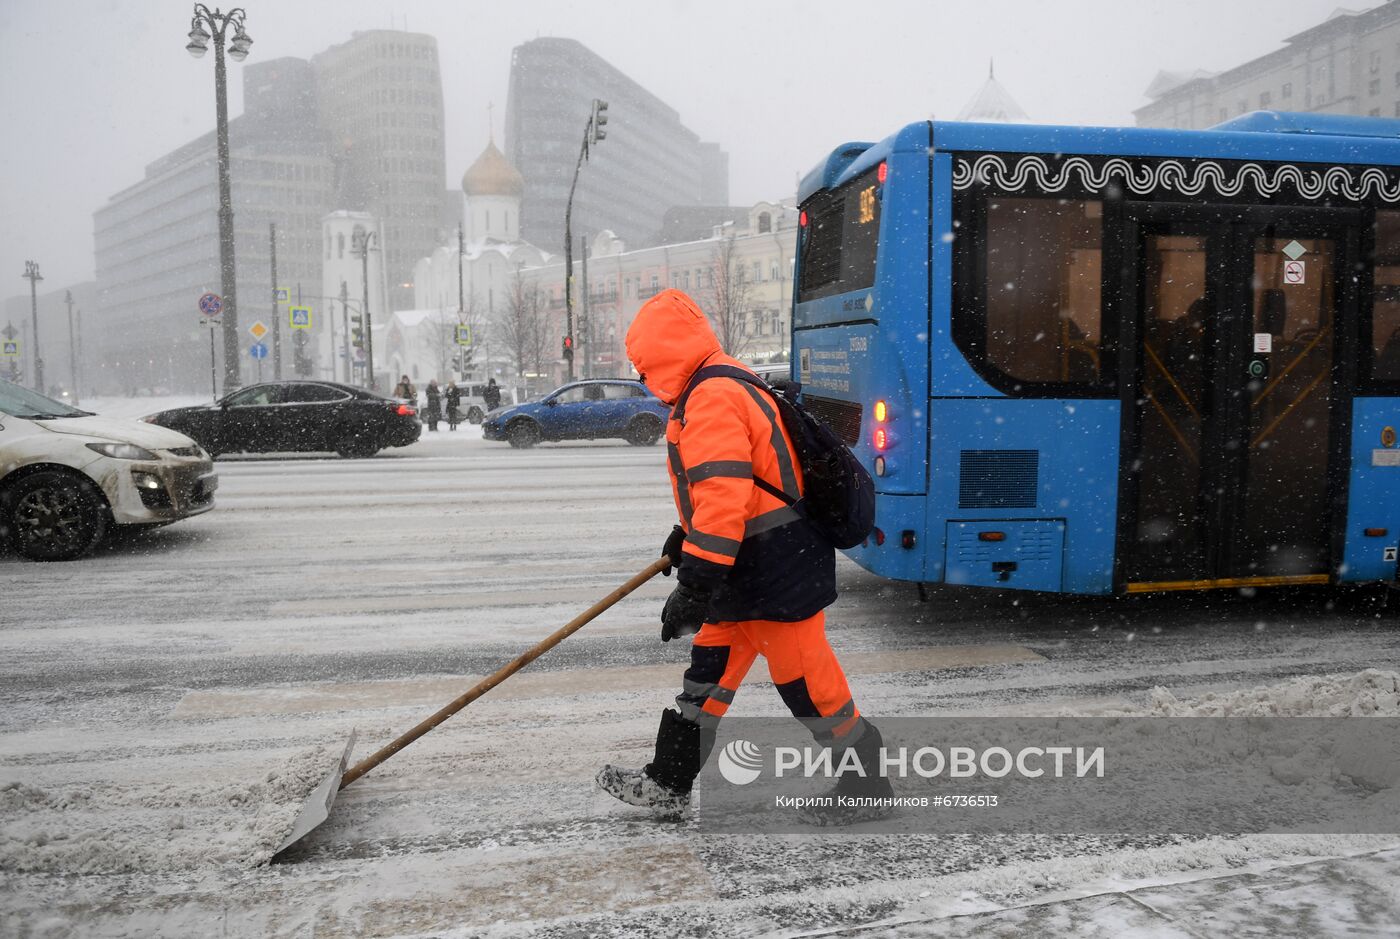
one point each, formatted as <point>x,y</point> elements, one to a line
<point>669,339</point>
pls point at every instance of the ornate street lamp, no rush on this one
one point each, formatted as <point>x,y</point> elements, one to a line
<point>217,23</point>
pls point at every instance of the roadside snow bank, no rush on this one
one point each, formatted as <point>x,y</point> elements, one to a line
<point>155,827</point>
<point>1369,693</point>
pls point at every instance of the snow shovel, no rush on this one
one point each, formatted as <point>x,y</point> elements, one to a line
<point>317,807</point>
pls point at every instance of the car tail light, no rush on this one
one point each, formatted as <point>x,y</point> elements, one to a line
<point>405,410</point>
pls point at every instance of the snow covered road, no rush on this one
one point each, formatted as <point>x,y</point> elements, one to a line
<point>156,696</point>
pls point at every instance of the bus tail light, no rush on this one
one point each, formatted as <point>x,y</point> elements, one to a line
<point>882,173</point>
<point>882,411</point>
<point>1377,532</point>
<point>802,219</point>
<point>991,536</point>
<point>882,439</point>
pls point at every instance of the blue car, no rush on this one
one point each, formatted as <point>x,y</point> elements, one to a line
<point>582,410</point>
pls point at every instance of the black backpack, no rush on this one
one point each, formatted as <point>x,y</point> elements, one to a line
<point>840,495</point>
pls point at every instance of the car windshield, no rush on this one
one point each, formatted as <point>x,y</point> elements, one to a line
<point>17,401</point>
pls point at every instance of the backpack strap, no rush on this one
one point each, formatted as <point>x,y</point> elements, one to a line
<point>738,374</point>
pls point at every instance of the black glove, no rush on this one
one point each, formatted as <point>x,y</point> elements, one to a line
<point>684,613</point>
<point>672,549</point>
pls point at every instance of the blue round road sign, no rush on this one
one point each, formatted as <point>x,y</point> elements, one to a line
<point>258,350</point>
<point>211,304</point>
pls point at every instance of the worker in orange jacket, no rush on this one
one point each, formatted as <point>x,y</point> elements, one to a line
<point>753,576</point>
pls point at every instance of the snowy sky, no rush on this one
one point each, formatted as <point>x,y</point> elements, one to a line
<point>93,90</point>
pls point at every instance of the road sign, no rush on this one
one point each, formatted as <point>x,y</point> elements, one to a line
<point>211,304</point>
<point>464,334</point>
<point>258,329</point>
<point>281,294</point>
<point>299,317</point>
<point>257,350</point>
<point>10,348</point>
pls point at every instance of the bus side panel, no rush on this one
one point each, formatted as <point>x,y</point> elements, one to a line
<point>1062,460</point>
<point>949,369</point>
<point>1373,496</point>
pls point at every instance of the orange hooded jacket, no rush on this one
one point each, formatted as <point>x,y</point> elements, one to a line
<point>759,556</point>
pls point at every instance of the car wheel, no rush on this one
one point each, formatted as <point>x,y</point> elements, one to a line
<point>523,434</point>
<point>643,431</point>
<point>476,415</point>
<point>54,516</point>
<point>353,446</point>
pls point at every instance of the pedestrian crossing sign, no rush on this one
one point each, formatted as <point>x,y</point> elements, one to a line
<point>464,334</point>
<point>9,348</point>
<point>299,317</point>
<point>281,294</point>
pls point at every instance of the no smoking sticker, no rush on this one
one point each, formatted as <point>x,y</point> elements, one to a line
<point>1293,272</point>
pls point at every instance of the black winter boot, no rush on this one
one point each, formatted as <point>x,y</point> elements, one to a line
<point>664,785</point>
<point>855,798</point>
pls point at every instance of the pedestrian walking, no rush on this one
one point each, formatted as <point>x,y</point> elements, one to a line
<point>492,395</point>
<point>453,397</point>
<point>433,412</point>
<point>753,576</point>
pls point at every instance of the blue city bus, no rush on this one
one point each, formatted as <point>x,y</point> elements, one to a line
<point>1113,360</point>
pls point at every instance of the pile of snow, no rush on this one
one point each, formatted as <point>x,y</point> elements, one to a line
<point>1369,693</point>
<point>158,827</point>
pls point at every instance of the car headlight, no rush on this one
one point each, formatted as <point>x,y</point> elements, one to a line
<point>122,451</point>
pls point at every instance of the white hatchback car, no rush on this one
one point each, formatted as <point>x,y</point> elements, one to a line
<point>67,476</point>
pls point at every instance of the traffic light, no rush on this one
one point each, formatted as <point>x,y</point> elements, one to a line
<point>568,347</point>
<point>600,119</point>
<point>357,333</point>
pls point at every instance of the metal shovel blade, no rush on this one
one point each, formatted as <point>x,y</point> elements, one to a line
<point>317,807</point>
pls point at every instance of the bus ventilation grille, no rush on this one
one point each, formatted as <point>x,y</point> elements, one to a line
<point>999,479</point>
<point>843,417</point>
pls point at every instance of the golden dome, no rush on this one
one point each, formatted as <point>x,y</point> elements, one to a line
<point>492,175</point>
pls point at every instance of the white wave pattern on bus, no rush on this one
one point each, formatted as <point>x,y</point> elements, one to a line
<point>1172,175</point>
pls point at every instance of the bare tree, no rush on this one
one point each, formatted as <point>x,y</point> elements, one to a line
<point>728,297</point>
<point>440,334</point>
<point>520,326</point>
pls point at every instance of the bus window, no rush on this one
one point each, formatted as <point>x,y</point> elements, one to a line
<point>1042,321</point>
<point>840,239</point>
<point>1385,300</point>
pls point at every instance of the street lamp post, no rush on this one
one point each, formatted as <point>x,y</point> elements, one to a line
<point>363,251</point>
<point>593,132</point>
<point>217,23</point>
<point>31,273</point>
<point>72,347</point>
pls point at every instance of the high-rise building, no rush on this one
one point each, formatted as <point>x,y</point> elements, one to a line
<point>157,242</point>
<point>1347,64</point>
<point>381,109</point>
<point>359,127</point>
<point>649,162</point>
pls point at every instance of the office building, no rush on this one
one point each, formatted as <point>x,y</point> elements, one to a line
<point>649,162</point>
<point>1347,64</point>
<point>357,128</point>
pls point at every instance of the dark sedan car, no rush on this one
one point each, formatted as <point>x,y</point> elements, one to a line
<point>584,410</point>
<point>297,416</point>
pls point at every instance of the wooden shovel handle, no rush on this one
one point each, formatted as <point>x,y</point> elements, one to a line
<point>573,626</point>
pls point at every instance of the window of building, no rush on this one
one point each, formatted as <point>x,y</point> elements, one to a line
<point>1287,90</point>
<point>757,271</point>
<point>1374,112</point>
<point>1224,113</point>
<point>340,246</point>
<point>1375,61</point>
<point>1265,98</point>
<point>1373,86</point>
<point>1035,317</point>
<point>1244,106</point>
<point>765,223</point>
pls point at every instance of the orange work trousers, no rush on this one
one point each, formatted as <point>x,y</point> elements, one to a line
<point>800,661</point>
